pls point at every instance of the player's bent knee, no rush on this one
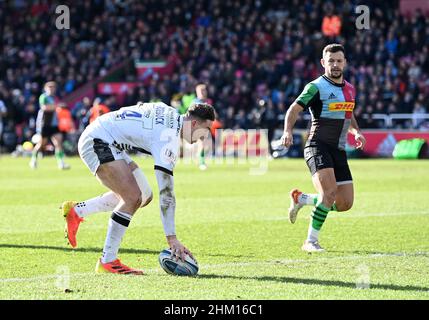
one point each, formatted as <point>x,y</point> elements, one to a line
<point>144,187</point>
<point>133,198</point>
<point>138,203</point>
<point>328,198</point>
<point>344,206</point>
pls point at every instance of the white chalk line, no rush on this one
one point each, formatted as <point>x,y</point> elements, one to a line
<point>275,262</point>
<point>348,215</point>
<point>333,215</point>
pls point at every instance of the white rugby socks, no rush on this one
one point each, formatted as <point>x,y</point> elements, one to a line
<point>104,203</point>
<point>313,234</point>
<point>118,224</point>
<point>307,199</point>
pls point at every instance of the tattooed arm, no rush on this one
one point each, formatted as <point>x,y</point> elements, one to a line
<point>167,202</point>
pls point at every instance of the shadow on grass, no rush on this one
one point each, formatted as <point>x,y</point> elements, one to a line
<point>69,249</point>
<point>306,281</point>
<point>97,250</point>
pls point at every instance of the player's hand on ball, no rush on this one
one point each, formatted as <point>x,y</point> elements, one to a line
<point>360,141</point>
<point>178,250</point>
<point>287,139</point>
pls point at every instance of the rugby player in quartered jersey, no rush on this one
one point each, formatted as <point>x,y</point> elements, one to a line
<point>330,100</point>
<point>331,107</point>
<point>47,126</point>
<point>151,128</point>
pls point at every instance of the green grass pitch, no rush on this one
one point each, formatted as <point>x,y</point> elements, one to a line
<point>235,223</point>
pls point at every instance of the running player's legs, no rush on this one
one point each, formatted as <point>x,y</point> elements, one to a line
<point>345,193</point>
<point>321,165</point>
<point>326,185</point>
<point>39,146</point>
<point>318,159</point>
<point>344,197</point>
<point>57,140</point>
<point>45,134</point>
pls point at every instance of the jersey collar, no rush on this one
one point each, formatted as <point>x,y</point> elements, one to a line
<point>334,83</point>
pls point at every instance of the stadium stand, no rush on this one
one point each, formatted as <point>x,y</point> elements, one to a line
<point>254,55</point>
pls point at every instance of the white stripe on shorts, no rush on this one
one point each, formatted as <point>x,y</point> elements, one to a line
<point>344,182</point>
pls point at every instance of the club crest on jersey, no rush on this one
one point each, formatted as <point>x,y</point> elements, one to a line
<point>341,106</point>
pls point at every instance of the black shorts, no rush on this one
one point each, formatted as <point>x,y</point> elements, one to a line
<point>47,132</point>
<point>319,155</point>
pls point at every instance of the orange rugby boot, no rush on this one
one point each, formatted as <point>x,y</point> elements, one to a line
<point>115,267</point>
<point>72,222</point>
<point>294,205</point>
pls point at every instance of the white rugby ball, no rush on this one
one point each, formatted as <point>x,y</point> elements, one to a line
<point>187,268</point>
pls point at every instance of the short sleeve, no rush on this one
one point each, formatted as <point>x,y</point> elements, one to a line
<point>43,100</point>
<point>307,95</point>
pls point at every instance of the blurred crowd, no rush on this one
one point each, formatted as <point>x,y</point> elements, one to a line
<point>254,55</point>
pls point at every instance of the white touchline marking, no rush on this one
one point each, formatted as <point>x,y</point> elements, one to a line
<point>341,215</point>
<point>279,261</point>
<point>318,259</point>
<point>349,215</point>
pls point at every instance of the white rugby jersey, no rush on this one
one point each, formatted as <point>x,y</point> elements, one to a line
<point>151,128</point>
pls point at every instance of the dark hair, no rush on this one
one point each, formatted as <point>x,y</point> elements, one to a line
<point>334,47</point>
<point>50,83</point>
<point>202,111</point>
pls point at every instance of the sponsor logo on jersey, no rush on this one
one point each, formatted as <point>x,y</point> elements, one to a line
<point>341,106</point>
<point>332,96</point>
<point>159,115</point>
<point>170,120</point>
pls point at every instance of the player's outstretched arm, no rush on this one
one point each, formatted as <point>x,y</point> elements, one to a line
<point>290,120</point>
<point>167,202</point>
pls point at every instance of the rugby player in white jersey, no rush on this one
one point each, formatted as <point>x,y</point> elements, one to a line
<point>151,128</point>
